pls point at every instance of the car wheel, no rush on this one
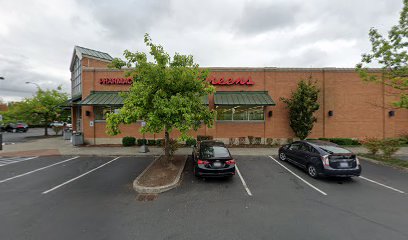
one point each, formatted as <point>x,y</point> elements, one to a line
<point>282,156</point>
<point>312,171</point>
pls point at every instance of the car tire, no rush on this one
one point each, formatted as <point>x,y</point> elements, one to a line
<point>312,171</point>
<point>282,156</point>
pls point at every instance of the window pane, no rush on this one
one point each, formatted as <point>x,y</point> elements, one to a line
<point>224,114</point>
<point>100,112</point>
<point>256,113</point>
<point>241,114</point>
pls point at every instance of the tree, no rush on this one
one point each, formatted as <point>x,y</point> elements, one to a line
<point>42,108</point>
<point>391,54</point>
<point>302,104</point>
<point>166,94</point>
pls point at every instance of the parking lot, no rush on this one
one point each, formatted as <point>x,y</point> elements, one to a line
<point>78,197</point>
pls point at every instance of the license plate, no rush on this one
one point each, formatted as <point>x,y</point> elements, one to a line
<point>217,164</point>
<point>344,164</point>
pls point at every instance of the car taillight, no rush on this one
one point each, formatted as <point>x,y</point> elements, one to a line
<point>202,162</point>
<point>357,161</point>
<point>325,160</point>
<point>230,162</point>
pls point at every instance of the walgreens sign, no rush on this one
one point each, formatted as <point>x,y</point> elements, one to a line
<point>230,81</point>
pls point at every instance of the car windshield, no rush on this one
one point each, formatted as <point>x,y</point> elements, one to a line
<point>208,152</point>
<point>334,149</point>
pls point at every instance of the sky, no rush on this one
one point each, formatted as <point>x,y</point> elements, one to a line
<point>37,37</point>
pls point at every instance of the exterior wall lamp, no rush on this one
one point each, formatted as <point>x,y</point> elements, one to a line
<point>330,113</point>
<point>270,113</point>
<point>391,113</point>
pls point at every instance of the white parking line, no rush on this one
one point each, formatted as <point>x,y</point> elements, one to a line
<point>7,161</point>
<point>36,170</point>
<point>243,181</point>
<point>75,178</point>
<point>383,185</point>
<point>309,184</point>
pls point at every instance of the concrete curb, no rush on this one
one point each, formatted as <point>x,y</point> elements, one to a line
<point>142,189</point>
<point>382,163</point>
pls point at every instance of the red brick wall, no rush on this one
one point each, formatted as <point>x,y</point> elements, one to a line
<point>360,109</point>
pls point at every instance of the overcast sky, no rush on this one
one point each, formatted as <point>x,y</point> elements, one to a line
<point>37,37</point>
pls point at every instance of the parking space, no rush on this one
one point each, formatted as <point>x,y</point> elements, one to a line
<point>78,197</point>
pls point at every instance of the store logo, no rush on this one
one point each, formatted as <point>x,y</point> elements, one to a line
<point>115,81</point>
<point>230,81</point>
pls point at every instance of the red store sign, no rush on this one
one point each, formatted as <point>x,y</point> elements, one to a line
<point>115,81</point>
<point>230,81</point>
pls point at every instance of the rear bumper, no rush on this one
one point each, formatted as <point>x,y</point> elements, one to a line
<point>342,172</point>
<point>207,172</point>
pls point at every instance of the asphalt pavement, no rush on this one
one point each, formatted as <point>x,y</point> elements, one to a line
<point>19,137</point>
<point>85,197</point>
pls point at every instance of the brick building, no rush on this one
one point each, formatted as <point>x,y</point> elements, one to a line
<point>247,101</point>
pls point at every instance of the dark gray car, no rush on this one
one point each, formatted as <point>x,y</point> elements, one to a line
<point>320,158</point>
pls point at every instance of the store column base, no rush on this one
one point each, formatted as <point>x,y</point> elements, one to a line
<point>144,149</point>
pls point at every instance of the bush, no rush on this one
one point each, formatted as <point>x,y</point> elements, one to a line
<point>269,141</point>
<point>258,140</point>
<point>128,141</point>
<point>372,144</point>
<point>232,141</point>
<point>389,147</point>
<point>251,140</point>
<point>277,142</point>
<point>241,140</point>
<point>404,138</point>
<point>342,141</point>
<point>160,142</point>
<point>203,137</point>
<point>141,141</point>
<point>151,142</point>
<point>290,140</point>
<point>191,142</point>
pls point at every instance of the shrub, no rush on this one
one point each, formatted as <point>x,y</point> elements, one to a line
<point>276,142</point>
<point>160,142</point>
<point>389,147</point>
<point>203,137</point>
<point>251,139</point>
<point>191,142</point>
<point>128,141</point>
<point>258,140</point>
<point>342,141</point>
<point>232,141</point>
<point>372,144</point>
<point>241,140</point>
<point>269,141</point>
<point>173,146</point>
<point>151,142</point>
<point>141,141</point>
<point>404,138</point>
<point>290,140</point>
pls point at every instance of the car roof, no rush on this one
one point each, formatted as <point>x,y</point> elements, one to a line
<point>212,143</point>
<point>319,143</point>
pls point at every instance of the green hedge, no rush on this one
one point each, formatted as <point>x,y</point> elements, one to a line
<point>128,141</point>
<point>191,142</point>
<point>342,141</point>
<point>141,141</point>
<point>151,142</point>
<point>203,137</point>
<point>160,142</point>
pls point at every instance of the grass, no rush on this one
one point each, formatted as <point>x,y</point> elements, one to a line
<point>387,161</point>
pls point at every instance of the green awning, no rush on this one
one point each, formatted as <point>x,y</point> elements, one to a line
<point>254,98</point>
<point>102,99</point>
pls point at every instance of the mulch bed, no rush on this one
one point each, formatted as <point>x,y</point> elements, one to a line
<point>160,175</point>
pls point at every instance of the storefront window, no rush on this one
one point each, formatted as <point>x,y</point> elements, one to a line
<point>238,113</point>
<point>100,112</point>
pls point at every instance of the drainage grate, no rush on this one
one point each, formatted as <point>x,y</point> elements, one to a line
<point>147,197</point>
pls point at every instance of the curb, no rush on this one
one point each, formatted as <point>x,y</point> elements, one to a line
<point>382,163</point>
<point>142,189</point>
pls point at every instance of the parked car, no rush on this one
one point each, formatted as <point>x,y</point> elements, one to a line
<point>321,158</point>
<point>212,159</point>
<point>57,124</point>
<point>16,127</point>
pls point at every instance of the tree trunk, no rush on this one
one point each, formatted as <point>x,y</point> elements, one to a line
<point>166,144</point>
<point>46,130</point>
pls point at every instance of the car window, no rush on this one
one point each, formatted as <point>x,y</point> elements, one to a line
<point>294,146</point>
<point>305,148</point>
<point>334,149</point>
<point>214,152</point>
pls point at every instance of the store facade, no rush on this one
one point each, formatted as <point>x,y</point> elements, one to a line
<point>247,101</point>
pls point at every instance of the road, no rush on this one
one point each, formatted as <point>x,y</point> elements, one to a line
<point>70,197</point>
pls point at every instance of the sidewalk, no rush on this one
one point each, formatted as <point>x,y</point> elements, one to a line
<point>58,146</point>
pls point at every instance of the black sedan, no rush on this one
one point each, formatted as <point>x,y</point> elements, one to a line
<point>212,159</point>
<point>16,127</point>
<point>320,158</point>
